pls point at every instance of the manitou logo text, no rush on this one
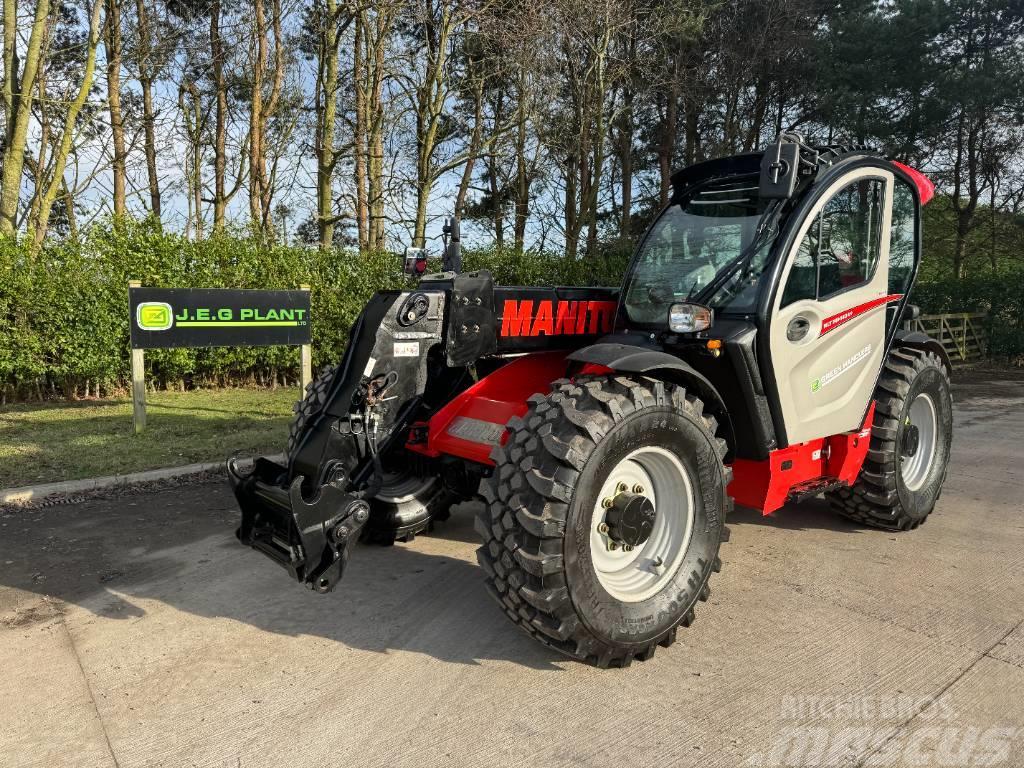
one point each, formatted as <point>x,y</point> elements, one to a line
<point>551,318</point>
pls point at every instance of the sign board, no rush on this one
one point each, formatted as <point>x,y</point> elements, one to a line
<point>217,317</point>
<point>162,318</point>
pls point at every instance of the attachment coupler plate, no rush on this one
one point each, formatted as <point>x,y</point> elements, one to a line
<point>311,540</point>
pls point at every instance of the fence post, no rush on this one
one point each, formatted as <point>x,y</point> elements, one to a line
<point>138,379</point>
<point>305,362</point>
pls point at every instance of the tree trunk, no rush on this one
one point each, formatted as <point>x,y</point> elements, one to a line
<point>327,88</point>
<point>257,169</point>
<point>571,231</point>
<point>113,53</point>
<point>625,145</point>
<point>497,214</point>
<point>474,145</point>
<point>359,130</point>
<point>60,156</point>
<point>431,96</point>
<point>270,109</point>
<point>17,100</point>
<point>220,199</point>
<point>192,113</point>
<point>375,128</point>
<point>666,145</point>
<point>522,185</point>
<point>41,160</point>
<point>69,209</point>
<point>146,80</point>
<point>149,123</point>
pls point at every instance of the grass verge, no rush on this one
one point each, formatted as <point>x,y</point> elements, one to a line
<point>70,441</point>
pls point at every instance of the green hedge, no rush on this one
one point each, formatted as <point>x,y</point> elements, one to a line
<point>64,313</point>
<point>999,294</point>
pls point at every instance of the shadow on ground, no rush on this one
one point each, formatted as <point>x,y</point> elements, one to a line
<point>178,547</point>
<point>811,514</point>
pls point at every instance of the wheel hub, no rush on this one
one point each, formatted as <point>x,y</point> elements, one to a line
<point>911,439</point>
<point>630,519</point>
<point>918,444</point>
<point>642,523</point>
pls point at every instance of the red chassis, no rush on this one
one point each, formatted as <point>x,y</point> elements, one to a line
<point>763,485</point>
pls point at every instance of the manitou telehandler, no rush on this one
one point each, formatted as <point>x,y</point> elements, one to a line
<point>753,353</point>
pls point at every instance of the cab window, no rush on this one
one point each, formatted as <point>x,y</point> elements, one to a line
<point>841,248</point>
<point>902,234</point>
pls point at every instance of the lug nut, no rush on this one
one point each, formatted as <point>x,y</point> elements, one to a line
<point>621,488</point>
<point>612,546</point>
<point>607,503</point>
<point>638,488</point>
<point>602,528</point>
<point>627,547</point>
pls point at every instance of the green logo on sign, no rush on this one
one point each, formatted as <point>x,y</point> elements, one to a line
<point>154,316</point>
<point>815,385</point>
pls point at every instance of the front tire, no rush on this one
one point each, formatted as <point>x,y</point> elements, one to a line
<point>906,465</point>
<point>548,551</point>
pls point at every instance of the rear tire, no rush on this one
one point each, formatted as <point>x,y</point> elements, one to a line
<point>408,503</point>
<point>544,508</point>
<point>897,491</point>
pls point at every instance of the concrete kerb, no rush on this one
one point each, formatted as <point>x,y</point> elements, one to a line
<point>53,492</point>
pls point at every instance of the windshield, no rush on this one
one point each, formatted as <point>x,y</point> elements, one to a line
<point>695,239</point>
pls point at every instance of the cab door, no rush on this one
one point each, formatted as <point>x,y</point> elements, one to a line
<point>828,323</point>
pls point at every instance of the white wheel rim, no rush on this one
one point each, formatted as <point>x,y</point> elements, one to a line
<point>632,576</point>
<point>914,469</point>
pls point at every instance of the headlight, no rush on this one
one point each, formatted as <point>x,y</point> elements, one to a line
<point>688,318</point>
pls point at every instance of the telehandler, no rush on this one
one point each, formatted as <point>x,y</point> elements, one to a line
<point>753,354</point>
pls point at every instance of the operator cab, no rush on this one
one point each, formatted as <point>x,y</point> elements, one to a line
<point>795,264</point>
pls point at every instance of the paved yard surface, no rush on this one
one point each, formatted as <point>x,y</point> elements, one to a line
<point>136,632</point>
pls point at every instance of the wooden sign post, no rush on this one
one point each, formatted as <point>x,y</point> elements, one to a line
<point>138,380</point>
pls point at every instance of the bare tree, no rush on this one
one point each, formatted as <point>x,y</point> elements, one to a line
<point>56,183</point>
<point>19,85</point>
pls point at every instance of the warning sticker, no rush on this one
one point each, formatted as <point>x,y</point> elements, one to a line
<point>407,349</point>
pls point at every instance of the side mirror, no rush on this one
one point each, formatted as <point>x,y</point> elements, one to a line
<point>415,263</point>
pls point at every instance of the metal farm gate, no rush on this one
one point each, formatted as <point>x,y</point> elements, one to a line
<point>961,333</point>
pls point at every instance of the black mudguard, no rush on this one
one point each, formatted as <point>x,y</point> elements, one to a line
<point>635,358</point>
<point>922,341</point>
